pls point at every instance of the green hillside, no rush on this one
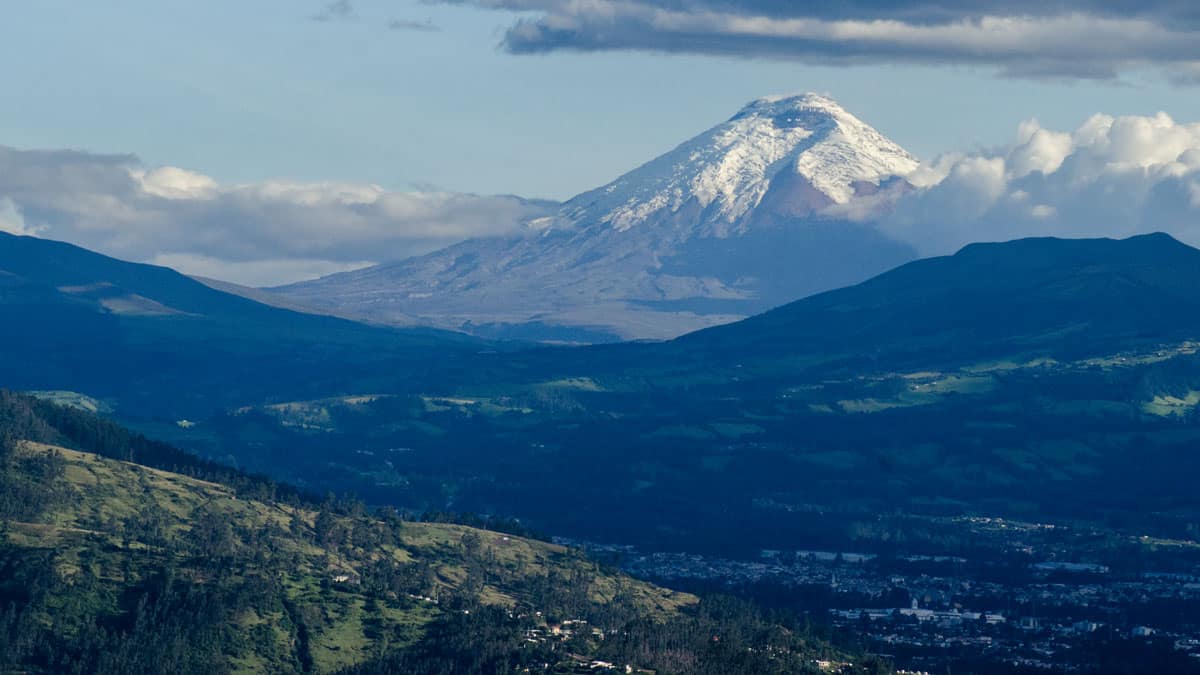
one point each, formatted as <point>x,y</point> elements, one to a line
<point>111,566</point>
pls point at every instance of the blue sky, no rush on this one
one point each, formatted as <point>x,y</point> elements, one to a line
<point>250,142</point>
<point>244,91</point>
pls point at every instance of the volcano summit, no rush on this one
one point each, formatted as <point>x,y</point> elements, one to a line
<point>743,217</point>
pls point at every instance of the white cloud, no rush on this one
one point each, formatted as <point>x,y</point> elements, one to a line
<point>1038,149</point>
<point>11,220</point>
<point>258,233</point>
<point>1112,176</point>
<point>171,182</point>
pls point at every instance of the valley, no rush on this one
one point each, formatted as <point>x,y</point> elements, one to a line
<point>926,414</point>
<point>974,593</point>
<point>714,463</point>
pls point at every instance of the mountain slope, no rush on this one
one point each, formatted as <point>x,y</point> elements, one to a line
<point>1036,377</point>
<point>1045,296</point>
<point>729,223</point>
<point>76,320</point>
<point>115,567</point>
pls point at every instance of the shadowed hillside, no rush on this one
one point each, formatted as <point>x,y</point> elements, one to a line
<point>76,320</point>
<point>1049,296</point>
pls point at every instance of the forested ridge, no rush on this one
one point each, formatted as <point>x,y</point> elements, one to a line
<point>119,554</point>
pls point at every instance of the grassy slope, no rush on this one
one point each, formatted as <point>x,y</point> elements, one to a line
<point>99,496</point>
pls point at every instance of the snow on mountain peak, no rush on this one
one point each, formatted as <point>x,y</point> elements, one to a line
<point>719,228</point>
<point>780,104</point>
<point>725,173</point>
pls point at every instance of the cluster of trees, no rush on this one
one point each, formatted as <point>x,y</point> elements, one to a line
<point>78,623</point>
<point>27,482</point>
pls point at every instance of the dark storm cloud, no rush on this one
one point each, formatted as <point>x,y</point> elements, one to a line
<point>1024,38</point>
<point>938,12</point>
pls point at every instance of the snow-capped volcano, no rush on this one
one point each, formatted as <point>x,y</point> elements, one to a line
<point>806,146</point>
<point>729,223</point>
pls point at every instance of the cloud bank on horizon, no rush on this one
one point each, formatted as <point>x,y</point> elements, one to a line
<point>1092,39</point>
<point>264,233</point>
<point>1112,176</point>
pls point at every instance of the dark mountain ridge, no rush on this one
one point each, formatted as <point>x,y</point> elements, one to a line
<point>77,320</point>
<point>1047,296</point>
